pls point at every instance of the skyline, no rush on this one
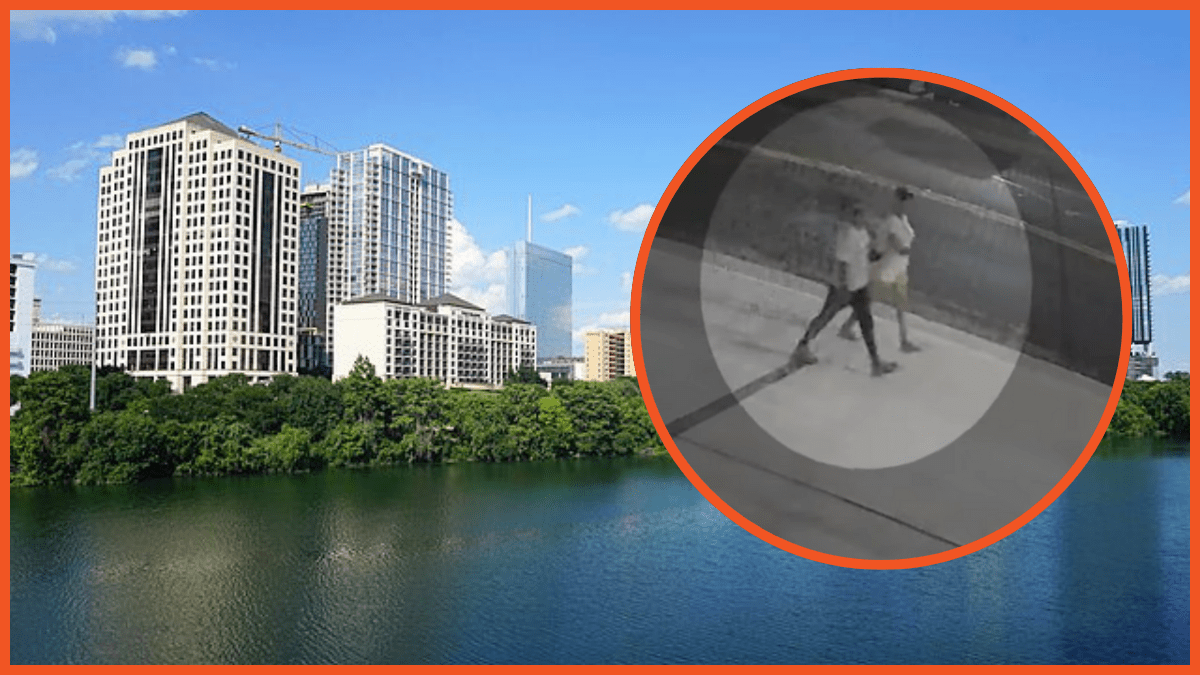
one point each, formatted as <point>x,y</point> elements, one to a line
<point>595,133</point>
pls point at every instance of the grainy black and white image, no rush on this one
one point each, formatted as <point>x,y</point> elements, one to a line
<point>881,319</point>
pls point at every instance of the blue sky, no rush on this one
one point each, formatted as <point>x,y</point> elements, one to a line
<point>591,113</point>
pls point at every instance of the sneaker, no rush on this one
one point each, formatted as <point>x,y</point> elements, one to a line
<point>847,333</point>
<point>882,368</point>
<point>909,348</point>
<point>802,356</point>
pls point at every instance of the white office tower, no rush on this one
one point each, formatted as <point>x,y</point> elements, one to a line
<point>196,255</point>
<point>446,338</point>
<point>22,269</point>
<point>389,235</point>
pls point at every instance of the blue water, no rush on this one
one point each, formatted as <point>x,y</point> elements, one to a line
<point>618,561</point>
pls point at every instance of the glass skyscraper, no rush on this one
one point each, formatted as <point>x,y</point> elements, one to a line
<point>539,291</point>
<point>1135,240</point>
<point>389,235</point>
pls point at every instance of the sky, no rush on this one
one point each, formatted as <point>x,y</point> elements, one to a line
<point>592,114</point>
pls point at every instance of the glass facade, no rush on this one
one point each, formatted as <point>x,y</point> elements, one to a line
<point>1135,240</point>
<point>389,233</point>
<point>539,291</point>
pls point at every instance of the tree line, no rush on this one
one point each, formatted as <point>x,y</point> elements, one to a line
<point>1159,409</point>
<point>228,426</point>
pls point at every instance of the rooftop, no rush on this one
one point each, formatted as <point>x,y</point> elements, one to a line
<point>206,121</point>
<point>452,300</point>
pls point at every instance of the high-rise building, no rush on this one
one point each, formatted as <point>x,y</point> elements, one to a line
<point>196,255</point>
<point>608,354</point>
<point>389,235</point>
<point>62,344</point>
<point>539,291</point>
<point>446,338</point>
<point>312,355</point>
<point>22,268</point>
<point>1135,241</point>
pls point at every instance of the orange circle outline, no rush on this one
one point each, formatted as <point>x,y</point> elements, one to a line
<point>660,425</point>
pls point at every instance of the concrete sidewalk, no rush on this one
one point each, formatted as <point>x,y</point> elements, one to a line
<point>963,439</point>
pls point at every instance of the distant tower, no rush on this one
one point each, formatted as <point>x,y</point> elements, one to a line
<point>1135,240</point>
<point>539,291</point>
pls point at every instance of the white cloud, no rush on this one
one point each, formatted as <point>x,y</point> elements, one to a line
<point>626,281</point>
<point>577,252</point>
<point>477,276</point>
<point>634,219</point>
<point>22,162</point>
<point>70,169</point>
<point>109,141</point>
<point>43,25</point>
<point>170,50</point>
<point>45,262</point>
<point>137,58</point>
<point>83,155</point>
<point>212,64</point>
<point>1185,198</point>
<point>1161,284</point>
<point>564,211</point>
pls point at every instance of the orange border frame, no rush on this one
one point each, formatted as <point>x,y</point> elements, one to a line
<point>660,425</point>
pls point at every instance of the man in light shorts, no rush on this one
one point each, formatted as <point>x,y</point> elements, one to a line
<point>852,256</point>
<point>891,243</point>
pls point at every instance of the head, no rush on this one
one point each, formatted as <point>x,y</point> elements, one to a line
<point>852,212</point>
<point>900,199</point>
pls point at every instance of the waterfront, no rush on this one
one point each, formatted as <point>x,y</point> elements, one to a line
<point>613,560</point>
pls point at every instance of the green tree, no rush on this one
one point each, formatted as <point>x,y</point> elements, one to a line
<point>1130,420</point>
<point>122,447</point>
<point>524,375</point>
<point>44,432</point>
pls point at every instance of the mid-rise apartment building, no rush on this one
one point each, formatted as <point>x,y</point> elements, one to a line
<point>608,354</point>
<point>196,258</point>
<point>446,338</point>
<point>61,344</point>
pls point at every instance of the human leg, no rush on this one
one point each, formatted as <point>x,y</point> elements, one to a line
<point>900,293</point>
<point>835,301</point>
<point>861,302</point>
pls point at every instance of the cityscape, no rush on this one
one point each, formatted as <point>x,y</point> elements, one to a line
<point>321,349</point>
<point>212,259</point>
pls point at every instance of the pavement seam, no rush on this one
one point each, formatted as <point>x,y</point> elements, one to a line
<point>847,500</point>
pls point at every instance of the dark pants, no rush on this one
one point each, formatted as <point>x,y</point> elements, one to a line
<point>836,301</point>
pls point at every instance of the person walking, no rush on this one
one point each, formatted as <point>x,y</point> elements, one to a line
<point>851,253</point>
<point>891,243</point>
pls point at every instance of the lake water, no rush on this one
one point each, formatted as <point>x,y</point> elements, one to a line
<point>603,561</point>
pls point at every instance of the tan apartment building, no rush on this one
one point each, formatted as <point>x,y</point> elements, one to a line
<point>608,354</point>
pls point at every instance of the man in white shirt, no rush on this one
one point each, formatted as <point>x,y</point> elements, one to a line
<point>853,263</point>
<point>891,243</point>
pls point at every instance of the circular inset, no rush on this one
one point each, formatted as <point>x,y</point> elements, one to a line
<point>878,315</point>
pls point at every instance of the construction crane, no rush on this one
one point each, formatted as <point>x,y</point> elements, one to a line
<point>278,139</point>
